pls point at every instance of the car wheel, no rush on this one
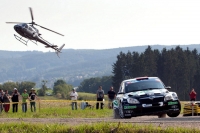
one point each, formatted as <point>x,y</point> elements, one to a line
<point>162,116</point>
<point>121,111</point>
<point>172,114</point>
<point>116,113</point>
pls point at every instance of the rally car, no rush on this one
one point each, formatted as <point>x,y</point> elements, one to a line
<point>145,96</point>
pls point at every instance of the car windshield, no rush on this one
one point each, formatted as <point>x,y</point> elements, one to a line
<point>143,85</point>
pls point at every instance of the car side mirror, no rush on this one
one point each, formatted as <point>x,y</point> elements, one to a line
<point>168,87</point>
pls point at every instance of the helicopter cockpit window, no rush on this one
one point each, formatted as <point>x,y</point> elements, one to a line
<point>30,28</point>
<point>25,25</point>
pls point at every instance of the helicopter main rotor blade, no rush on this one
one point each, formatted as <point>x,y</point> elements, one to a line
<point>14,22</point>
<point>49,29</point>
<point>31,14</point>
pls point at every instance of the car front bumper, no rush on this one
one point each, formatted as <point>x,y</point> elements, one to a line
<point>151,109</point>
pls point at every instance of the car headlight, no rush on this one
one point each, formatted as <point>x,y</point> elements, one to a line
<point>168,97</point>
<point>133,101</point>
<point>174,95</point>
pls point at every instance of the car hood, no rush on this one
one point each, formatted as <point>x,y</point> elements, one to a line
<point>156,92</point>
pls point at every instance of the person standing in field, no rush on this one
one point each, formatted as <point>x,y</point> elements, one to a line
<point>15,100</point>
<point>32,98</point>
<point>74,96</point>
<point>1,100</point>
<point>111,97</point>
<point>193,95</point>
<point>6,101</point>
<point>24,98</point>
<point>100,97</point>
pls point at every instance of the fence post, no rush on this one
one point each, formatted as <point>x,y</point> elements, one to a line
<point>1,107</point>
<point>192,109</point>
<point>39,105</point>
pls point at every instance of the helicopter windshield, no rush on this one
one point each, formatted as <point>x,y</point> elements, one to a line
<point>34,29</point>
<point>24,25</point>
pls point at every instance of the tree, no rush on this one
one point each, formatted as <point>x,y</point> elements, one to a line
<point>118,73</point>
<point>91,85</point>
<point>1,86</point>
<point>42,91</point>
<point>58,82</point>
<point>28,85</point>
<point>19,85</point>
<point>61,87</point>
<point>177,68</point>
<point>9,86</point>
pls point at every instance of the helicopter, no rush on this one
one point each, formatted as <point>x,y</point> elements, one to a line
<point>28,32</point>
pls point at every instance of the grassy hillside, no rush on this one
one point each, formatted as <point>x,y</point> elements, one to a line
<point>73,65</point>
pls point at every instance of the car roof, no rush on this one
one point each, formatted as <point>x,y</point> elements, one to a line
<point>141,78</point>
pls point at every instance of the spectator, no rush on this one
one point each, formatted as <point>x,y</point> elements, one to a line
<point>24,98</point>
<point>32,98</point>
<point>1,100</point>
<point>193,95</point>
<point>6,101</point>
<point>74,96</point>
<point>15,100</point>
<point>111,97</point>
<point>100,96</point>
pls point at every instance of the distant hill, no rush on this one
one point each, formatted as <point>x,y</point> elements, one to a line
<point>73,65</point>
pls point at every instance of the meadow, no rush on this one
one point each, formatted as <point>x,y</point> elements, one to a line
<point>62,109</point>
<point>59,109</point>
<point>51,107</point>
<point>90,128</point>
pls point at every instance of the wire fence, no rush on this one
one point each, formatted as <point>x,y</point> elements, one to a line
<point>44,104</point>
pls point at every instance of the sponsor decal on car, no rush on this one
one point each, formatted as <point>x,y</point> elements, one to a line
<point>115,103</point>
<point>130,107</point>
<point>172,103</point>
<point>146,105</point>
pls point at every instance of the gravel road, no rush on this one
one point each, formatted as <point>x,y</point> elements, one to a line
<point>189,121</point>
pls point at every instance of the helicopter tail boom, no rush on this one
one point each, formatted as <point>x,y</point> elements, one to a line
<point>59,50</point>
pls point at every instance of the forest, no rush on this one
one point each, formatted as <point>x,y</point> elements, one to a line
<point>73,66</point>
<point>176,67</point>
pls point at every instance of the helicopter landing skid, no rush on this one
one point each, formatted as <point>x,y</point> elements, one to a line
<point>22,40</point>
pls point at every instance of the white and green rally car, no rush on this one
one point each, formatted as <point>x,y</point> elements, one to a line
<point>145,96</point>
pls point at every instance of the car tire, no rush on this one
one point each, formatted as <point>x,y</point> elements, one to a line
<point>121,111</point>
<point>176,113</point>
<point>162,115</point>
<point>173,114</point>
<point>116,113</point>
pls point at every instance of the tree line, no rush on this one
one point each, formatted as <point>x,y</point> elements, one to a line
<point>176,67</point>
<point>91,85</point>
<point>60,89</point>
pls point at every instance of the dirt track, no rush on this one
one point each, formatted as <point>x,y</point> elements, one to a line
<point>189,121</point>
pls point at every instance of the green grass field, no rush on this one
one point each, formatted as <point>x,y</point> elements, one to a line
<point>58,109</point>
<point>102,127</point>
<point>54,108</point>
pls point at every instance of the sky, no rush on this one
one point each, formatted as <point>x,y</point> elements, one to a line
<point>103,24</point>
